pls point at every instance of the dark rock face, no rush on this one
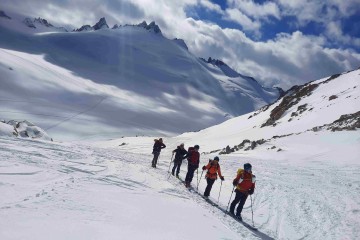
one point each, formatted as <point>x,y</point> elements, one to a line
<point>116,26</point>
<point>43,22</point>
<point>28,22</point>
<point>288,102</point>
<point>3,14</point>
<point>152,26</point>
<point>84,28</point>
<point>101,24</point>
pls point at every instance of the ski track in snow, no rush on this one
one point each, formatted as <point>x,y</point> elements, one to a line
<point>92,186</point>
<point>70,184</point>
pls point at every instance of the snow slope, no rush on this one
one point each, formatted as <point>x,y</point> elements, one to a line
<point>72,191</point>
<point>115,82</point>
<point>307,168</point>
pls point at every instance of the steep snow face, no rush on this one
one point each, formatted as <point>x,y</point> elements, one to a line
<point>309,107</point>
<point>125,81</point>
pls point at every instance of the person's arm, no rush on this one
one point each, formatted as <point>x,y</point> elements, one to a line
<point>185,154</point>
<point>163,145</point>
<point>236,180</point>
<point>206,167</point>
<point>251,191</point>
<point>220,175</point>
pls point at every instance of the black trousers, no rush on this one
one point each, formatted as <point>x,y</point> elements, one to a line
<point>190,173</point>
<point>155,159</point>
<point>239,198</point>
<point>177,165</point>
<point>210,183</point>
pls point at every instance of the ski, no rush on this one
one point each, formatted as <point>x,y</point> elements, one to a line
<point>209,201</point>
<point>245,224</point>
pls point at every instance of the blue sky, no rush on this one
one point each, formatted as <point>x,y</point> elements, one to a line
<point>350,24</point>
<point>279,42</point>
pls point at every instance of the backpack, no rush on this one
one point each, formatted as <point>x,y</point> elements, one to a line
<point>190,150</point>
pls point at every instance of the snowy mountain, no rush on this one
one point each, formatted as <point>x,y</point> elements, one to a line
<point>23,129</point>
<point>98,82</point>
<point>305,151</point>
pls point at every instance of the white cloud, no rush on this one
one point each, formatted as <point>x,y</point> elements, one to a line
<point>288,59</point>
<point>211,6</point>
<point>240,18</point>
<point>255,10</point>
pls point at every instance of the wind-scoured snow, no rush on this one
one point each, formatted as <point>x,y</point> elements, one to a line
<point>130,80</point>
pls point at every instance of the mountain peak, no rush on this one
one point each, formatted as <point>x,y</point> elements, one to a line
<point>101,24</point>
<point>151,26</point>
<point>42,22</point>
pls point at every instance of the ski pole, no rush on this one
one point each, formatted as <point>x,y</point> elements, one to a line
<point>199,180</point>
<point>170,162</point>
<point>252,212</point>
<point>219,192</point>
<point>230,198</point>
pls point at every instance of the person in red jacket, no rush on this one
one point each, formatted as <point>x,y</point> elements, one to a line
<point>245,185</point>
<point>213,168</point>
<point>158,145</point>
<point>193,158</point>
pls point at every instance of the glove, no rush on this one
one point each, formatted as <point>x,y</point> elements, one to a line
<point>222,178</point>
<point>203,168</point>
<point>235,182</point>
<point>251,191</point>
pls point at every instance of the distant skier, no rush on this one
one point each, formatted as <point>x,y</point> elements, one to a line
<point>213,168</point>
<point>193,158</point>
<point>179,156</point>
<point>158,145</point>
<point>245,185</point>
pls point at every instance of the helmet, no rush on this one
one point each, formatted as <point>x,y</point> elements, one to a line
<point>216,158</point>
<point>196,147</point>
<point>247,167</point>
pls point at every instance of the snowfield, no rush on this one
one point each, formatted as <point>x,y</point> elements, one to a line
<point>77,191</point>
<point>130,81</point>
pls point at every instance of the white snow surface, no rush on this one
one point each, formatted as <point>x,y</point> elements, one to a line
<point>6,130</point>
<point>307,183</point>
<point>128,81</point>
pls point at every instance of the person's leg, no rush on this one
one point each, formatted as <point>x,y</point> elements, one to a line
<point>243,198</point>
<point>178,168</point>
<point>210,183</point>
<point>192,170</point>
<point>235,201</point>
<point>156,156</point>
<point>175,165</point>
<point>187,178</point>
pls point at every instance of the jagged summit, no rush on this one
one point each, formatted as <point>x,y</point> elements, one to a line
<point>84,28</point>
<point>151,26</point>
<point>41,23</point>
<point>101,24</point>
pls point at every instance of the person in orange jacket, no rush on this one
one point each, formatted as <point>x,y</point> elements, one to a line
<point>213,168</point>
<point>245,185</point>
